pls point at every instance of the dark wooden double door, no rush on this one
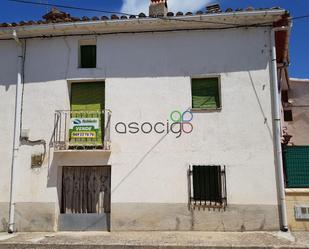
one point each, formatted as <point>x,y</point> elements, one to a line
<point>86,190</point>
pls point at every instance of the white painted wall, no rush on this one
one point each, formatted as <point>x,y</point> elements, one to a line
<point>8,76</point>
<point>147,77</point>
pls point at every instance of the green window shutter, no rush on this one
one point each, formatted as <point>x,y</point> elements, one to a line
<point>87,101</point>
<point>87,96</point>
<point>205,93</point>
<point>88,56</point>
<point>296,159</point>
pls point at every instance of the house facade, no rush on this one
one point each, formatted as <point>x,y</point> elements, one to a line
<point>148,123</point>
<point>296,152</point>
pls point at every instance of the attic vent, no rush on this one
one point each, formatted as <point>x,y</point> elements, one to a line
<point>215,8</point>
<point>301,212</point>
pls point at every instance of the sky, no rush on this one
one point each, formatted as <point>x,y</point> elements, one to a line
<point>299,52</point>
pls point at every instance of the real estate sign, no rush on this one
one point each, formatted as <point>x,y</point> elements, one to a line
<point>84,128</point>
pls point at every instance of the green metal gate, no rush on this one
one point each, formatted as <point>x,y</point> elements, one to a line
<point>296,160</point>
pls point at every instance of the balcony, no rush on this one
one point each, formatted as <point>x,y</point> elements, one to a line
<point>77,131</point>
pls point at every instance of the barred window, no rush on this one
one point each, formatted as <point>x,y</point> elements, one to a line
<point>207,186</point>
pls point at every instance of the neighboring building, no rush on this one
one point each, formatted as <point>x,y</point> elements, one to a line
<point>159,123</point>
<point>297,111</point>
<point>296,125</point>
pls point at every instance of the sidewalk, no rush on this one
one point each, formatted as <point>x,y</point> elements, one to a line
<point>154,240</point>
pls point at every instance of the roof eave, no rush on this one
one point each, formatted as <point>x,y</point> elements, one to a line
<point>146,24</point>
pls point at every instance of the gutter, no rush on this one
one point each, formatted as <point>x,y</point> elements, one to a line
<point>16,139</point>
<point>276,103</point>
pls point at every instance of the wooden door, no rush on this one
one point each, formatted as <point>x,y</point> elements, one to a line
<point>86,190</point>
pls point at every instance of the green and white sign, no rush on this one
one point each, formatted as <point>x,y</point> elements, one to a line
<point>84,128</point>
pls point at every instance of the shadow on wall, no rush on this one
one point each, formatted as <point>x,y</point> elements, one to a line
<point>267,123</point>
<point>81,159</point>
<point>142,55</point>
<point>138,164</point>
<point>54,178</point>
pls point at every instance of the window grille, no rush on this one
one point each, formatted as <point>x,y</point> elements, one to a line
<point>207,186</point>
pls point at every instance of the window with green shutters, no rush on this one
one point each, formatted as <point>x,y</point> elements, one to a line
<point>87,102</point>
<point>88,56</point>
<point>88,96</point>
<point>205,93</point>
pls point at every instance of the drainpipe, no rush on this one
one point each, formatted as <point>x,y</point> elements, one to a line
<point>277,130</point>
<point>16,141</point>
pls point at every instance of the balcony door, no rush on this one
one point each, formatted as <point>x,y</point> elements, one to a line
<point>87,114</point>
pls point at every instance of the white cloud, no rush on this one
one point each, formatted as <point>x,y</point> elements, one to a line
<point>138,6</point>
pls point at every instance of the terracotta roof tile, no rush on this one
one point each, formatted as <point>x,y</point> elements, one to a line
<point>142,15</point>
<point>57,16</point>
<point>114,17</point>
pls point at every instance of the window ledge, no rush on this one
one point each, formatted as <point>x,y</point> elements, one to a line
<point>297,190</point>
<point>87,68</point>
<point>206,109</point>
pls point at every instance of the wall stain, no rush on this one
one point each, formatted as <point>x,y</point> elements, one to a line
<point>177,224</point>
<point>261,228</point>
<point>192,220</point>
<point>5,224</point>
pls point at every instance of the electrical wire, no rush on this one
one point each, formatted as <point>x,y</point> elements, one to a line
<point>69,7</point>
<point>299,17</point>
<point>131,32</point>
<point>122,13</point>
<point>170,19</point>
<point>23,83</point>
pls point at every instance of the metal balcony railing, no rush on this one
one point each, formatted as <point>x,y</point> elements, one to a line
<point>81,130</point>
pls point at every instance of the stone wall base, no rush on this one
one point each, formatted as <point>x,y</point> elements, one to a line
<point>30,217</point>
<point>34,217</point>
<point>177,217</point>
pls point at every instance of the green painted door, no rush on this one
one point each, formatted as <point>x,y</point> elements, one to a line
<point>87,117</point>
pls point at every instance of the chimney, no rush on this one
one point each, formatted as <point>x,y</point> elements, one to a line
<point>55,15</point>
<point>214,8</point>
<point>158,8</point>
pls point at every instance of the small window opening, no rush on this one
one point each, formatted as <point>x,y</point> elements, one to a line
<point>87,54</point>
<point>288,115</point>
<point>207,186</point>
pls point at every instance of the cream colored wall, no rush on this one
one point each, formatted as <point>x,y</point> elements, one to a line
<point>297,197</point>
<point>298,128</point>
